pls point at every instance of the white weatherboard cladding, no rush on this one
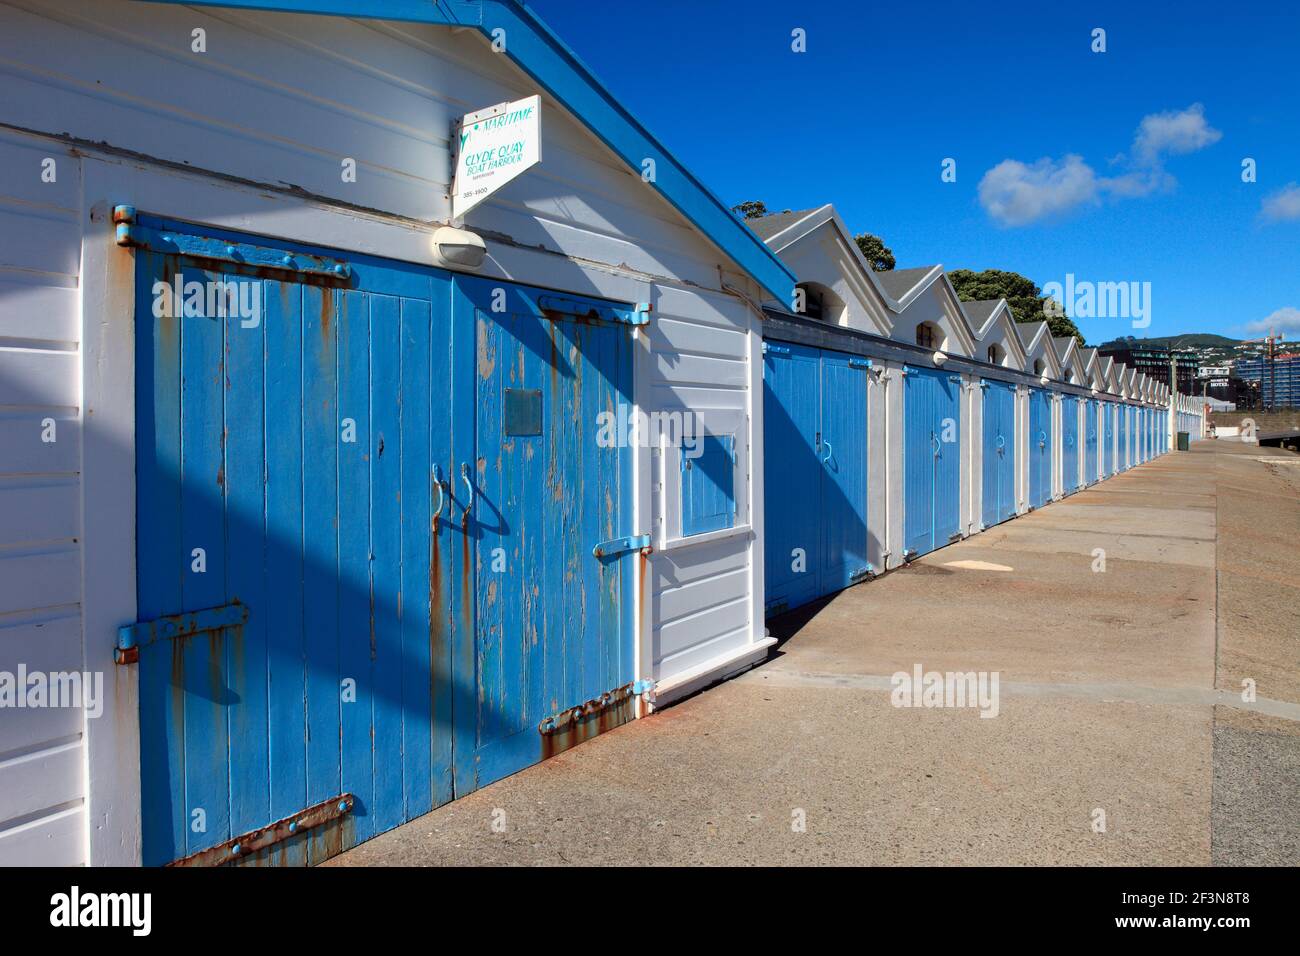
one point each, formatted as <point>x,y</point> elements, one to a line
<point>286,98</point>
<point>42,777</point>
<point>282,100</point>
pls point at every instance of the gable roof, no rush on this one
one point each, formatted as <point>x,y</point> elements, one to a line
<point>991,319</point>
<point>897,283</point>
<point>536,50</point>
<point>1037,337</point>
<point>765,227</point>
<point>1067,351</point>
<point>897,289</point>
<point>980,311</point>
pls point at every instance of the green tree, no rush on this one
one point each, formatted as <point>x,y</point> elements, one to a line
<point>753,209</point>
<point>878,255</point>
<point>1028,304</point>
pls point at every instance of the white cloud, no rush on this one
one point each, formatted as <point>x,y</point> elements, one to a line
<point>1285,321</point>
<point>1016,194</point>
<point>1138,183</point>
<point>1173,133</point>
<point>1282,205</point>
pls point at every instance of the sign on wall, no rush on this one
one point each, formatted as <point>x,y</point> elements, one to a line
<point>494,146</point>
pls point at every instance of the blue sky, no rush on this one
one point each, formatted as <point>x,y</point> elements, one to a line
<point>866,116</point>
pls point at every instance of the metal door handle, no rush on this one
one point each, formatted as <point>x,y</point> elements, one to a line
<point>829,451</point>
<point>469,485</point>
<point>442,491</point>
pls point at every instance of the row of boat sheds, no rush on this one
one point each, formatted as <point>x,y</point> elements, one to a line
<point>898,418</point>
<point>328,329</point>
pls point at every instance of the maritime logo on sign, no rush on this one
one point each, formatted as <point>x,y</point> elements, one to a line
<point>493,147</point>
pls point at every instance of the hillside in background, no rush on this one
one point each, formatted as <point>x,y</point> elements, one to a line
<point>1208,348</point>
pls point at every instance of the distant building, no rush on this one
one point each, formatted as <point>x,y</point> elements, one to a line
<point>1153,360</point>
<point>1278,381</point>
<point>1221,383</point>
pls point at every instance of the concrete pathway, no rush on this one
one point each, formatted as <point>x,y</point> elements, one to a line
<point>1121,736</point>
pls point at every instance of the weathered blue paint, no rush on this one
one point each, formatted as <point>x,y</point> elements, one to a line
<point>709,486</point>
<point>931,459</point>
<point>815,468</point>
<point>551,617</point>
<point>536,50</point>
<point>311,454</point>
<point>1069,444</point>
<point>1040,447</point>
<point>999,452</point>
<point>792,471</point>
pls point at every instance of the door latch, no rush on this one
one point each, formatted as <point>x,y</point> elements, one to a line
<point>607,549</point>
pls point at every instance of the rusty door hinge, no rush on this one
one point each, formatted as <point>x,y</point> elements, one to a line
<point>248,843</point>
<point>132,637</point>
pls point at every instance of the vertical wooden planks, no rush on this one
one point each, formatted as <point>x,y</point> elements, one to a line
<point>918,461</point>
<point>577,488</point>
<point>506,576</point>
<point>199,660</point>
<point>162,563</point>
<point>416,533</point>
<point>550,520</point>
<point>284,572</point>
<point>527,550</point>
<point>245,520</point>
<point>317,458</point>
<point>464,712</point>
<point>387,517</point>
<point>843,479</point>
<point>354,561</point>
<point>602,518</point>
<point>442,535</point>
<point>488,533</point>
<point>792,472</point>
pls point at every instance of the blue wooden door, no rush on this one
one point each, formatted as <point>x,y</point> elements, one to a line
<point>843,508</point>
<point>1091,441</point>
<point>1125,416</point>
<point>287,480</point>
<point>368,504</point>
<point>931,459</point>
<point>792,474</point>
<point>1069,444</point>
<point>1107,434</point>
<point>547,482</point>
<point>815,472</point>
<point>999,453</point>
<point>1040,448</point>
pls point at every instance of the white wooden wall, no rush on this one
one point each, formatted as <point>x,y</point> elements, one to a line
<point>41,750</point>
<point>282,100</point>
<point>704,358</point>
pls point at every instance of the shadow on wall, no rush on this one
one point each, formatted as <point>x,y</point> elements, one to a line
<point>816,495</point>
<point>344,677</point>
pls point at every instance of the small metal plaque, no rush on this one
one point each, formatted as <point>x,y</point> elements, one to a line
<point>523,411</point>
